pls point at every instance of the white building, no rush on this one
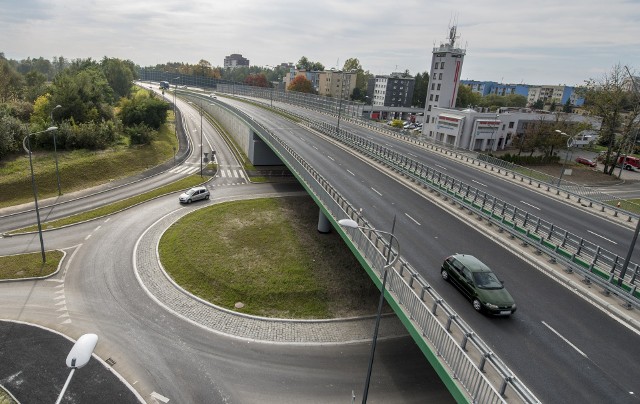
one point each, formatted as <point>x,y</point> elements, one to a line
<point>444,80</point>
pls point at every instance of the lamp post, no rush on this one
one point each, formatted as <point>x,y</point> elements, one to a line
<point>200,106</point>
<point>566,156</point>
<point>388,263</point>
<point>55,149</point>
<point>78,357</point>
<point>33,184</point>
<point>340,102</point>
<point>175,120</point>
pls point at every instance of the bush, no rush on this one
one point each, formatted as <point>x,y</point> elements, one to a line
<point>141,134</point>
<point>151,112</point>
<point>89,135</point>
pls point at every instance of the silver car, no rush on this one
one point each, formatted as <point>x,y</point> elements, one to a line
<point>194,194</point>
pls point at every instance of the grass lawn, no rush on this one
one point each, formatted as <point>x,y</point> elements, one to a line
<point>29,265</point>
<point>80,169</point>
<point>268,255</point>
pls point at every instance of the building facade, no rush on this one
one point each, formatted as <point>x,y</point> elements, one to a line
<point>444,79</point>
<point>235,60</point>
<point>394,90</point>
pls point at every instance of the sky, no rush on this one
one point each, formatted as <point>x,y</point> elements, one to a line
<point>532,42</point>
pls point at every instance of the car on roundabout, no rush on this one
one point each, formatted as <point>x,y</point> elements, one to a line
<point>194,194</point>
<point>586,162</point>
<point>479,284</point>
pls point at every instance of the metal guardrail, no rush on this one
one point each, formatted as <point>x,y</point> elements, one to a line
<point>484,377</point>
<point>595,263</point>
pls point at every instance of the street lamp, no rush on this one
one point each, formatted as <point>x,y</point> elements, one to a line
<point>388,263</point>
<point>33,184</point>
<point>566,156</point>
<point>78,357</point>
<point>175,120</point>
<point>55,148</point>
<point>200,106</point>
<point>340,103</point>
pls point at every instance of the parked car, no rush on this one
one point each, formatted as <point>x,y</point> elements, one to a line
<point>478,283</point>
<point>194,194</point>
<point>586,162</point>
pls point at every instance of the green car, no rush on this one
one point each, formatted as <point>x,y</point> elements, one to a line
<point>476,281</point>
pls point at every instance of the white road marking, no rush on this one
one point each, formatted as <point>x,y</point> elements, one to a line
<point>438,165</point>
<point>565,340</point>
<point>530,205</point>
<point>414,220</point>
<point>88,237</point>
<point>315,147</point>
<point>374,190</point>
<point>330,158</point>
<point>479,183</point>
<point>159,397</point>
<point>97,228</point>
<point>107,219</point>
<point>349,171</point>
<point>602,237</point>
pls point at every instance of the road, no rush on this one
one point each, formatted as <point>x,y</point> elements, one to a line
<point>564,348</point>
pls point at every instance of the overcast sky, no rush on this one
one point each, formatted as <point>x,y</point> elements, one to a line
<point>531,42</point>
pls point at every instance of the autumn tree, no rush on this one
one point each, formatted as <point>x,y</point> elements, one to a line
<point>301,85</point>
<point>258,80</point>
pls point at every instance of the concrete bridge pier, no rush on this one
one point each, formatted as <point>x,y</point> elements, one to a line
<point>324,225</point>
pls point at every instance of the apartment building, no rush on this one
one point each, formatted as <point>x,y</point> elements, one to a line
<point>234,60</point>
<point>394,90</point>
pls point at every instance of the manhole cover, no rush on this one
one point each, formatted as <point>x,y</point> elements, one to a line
<point>239,305</point>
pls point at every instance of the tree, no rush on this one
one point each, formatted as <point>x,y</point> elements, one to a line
<point>204,68</point>
<point>306,64</point>
<point>11,82</point>
<point>420,89</point>
<point>539,104</point>
<point>119,75</point>
<point>301,84</point>
<point>258,80</point>
<point>609,99</point>
<point>360,90</point>
<point>467,98</point>
<point>148,111</point>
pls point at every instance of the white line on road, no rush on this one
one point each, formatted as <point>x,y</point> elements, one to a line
<point>159,397</point>
<point>374,190</point>
<point>97,228</point>
<point>479,183</point>
<point>315,147</point>
<point>565,340</point>
<point>349,171</point>
<point>414,220</point>
<point>438,165</point>
<point>602,237</point>
<point>330,158</point>
<point>88,237</point>
<point>530,205</point>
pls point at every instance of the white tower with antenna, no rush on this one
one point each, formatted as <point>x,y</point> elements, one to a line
<point>444,79</point>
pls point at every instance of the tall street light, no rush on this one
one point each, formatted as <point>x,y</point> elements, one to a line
<point>78,357</point>
<point>26,141</point>
<point>566,156</point>
<point>340,103</point>
<point>55,149</point>
<point>388,263</point>
<point>175,119</point>
<point>201,143</point>
<point>495,130</point>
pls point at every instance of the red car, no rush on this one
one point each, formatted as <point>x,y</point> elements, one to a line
<point>586,162</point>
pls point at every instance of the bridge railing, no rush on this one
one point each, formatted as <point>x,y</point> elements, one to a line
<point>469,361</point>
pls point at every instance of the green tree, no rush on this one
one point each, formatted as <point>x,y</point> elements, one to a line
<point>148,111</point>
<point>306,64</point>
<point>539,104</point>
<point>11,82</point>
<point>301,85</point>
<point>84,93</point>
<point>420,89</point>
<point>467,98</point>
<point>119,75</point>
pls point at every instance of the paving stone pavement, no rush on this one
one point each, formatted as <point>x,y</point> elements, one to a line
<point>160,287</point>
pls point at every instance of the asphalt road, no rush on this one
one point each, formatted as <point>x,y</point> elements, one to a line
<point>538,342</point>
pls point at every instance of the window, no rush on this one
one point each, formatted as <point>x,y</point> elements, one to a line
<point>435,66</point>
<point>433,86</point>
<point>510,125</point>
<point>440,76</point>
<point>442,65</point>
<point>438,86</point>
<point>437,96</point>
<point>431,97</point>
<point>429,109</point>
